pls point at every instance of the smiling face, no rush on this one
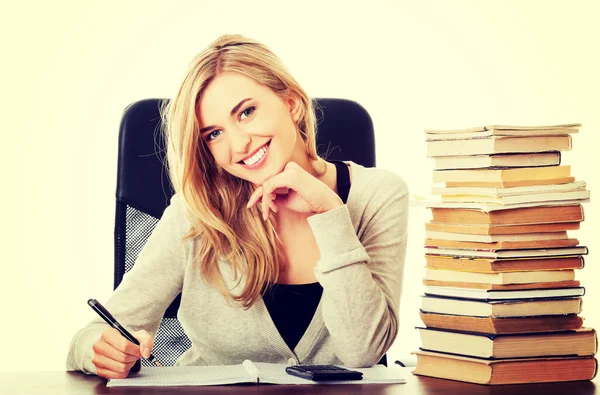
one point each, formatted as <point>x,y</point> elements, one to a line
<point>250,131</point>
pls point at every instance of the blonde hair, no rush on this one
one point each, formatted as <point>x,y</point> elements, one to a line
<point>215,201</point>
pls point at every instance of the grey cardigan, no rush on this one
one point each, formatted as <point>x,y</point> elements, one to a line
<point>362,249</point>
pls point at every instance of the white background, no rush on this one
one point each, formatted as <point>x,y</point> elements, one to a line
<point>69,68</point>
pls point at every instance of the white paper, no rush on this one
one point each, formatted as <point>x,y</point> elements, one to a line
<point>248,372</point>
<point>185,375</point>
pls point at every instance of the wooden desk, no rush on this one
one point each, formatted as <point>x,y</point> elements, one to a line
<point>48,383</point>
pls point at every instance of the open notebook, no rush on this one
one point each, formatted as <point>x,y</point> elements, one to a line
<point>247,372</point>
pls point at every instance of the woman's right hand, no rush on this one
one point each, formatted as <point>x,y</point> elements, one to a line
<point>114,355</point>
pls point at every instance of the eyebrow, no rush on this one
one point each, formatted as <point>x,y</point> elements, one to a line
<point>233,111</point>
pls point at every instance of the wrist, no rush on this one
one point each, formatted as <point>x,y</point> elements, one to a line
<point>336,203</point>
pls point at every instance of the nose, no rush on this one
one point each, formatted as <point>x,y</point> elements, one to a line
<point>240,142</point>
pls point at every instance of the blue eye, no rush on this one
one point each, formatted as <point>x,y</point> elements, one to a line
<point>247,112</point>
<point>211,135</point>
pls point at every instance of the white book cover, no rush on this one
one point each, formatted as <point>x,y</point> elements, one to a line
<point>519,199</point>
<point>484,294</point>
<point>247,372</point>
<point>495,238</point>
<point>500,277</point>
<point>511,191</point>
<point>497,161</point>
<point>506,254</point>
<point>505,308</point>
<point>430,202</point>
<point>499,145</point>
<point>501,130</point>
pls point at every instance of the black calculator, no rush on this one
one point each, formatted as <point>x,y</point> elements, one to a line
<point>323,372</point>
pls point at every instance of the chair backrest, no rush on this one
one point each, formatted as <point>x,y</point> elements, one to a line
<point>344,132</point>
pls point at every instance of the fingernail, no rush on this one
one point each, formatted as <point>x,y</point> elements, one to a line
<point>146,352</point>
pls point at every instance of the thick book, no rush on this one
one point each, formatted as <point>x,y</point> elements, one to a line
<point>500,308</point>
<point>581,342</point>
<point>500,277</point>
<point>527,173</point>
<point>505,371</point>
<point>498,145</point>
<point>503,265</point>
<point>502,325</point>
<point>502,130</point>
<point>489,207</point>
<point>503,287</point>
<point>519,199</point>
<point>489,229</point>
<point>518,216</point>
<point>488,294</point>
<point>479,238</point>
<point>496,161</point>
<point>246,372</point>
<point>506,254</point>
<point>511,184</point>
<point>500,192</point>
<point>501,245</point>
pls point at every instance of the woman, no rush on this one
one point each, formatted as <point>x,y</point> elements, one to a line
<point>279,255</point>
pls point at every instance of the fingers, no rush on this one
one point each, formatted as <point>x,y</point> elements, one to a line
<point>279,183</point>
<point>255,197</point>
<point>267,200</point>
<point>103,348</point>
<point>146,342</point>
<point>109,374</point>
<point>267,203</point>
<point>273,206</point>
<point>114,338</point>
<point>113,355</point>
<point>109,368</point>
<point>291,178</point>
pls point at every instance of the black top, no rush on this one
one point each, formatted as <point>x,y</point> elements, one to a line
<point>292,306</point>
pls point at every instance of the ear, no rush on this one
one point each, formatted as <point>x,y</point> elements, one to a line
<point>295,106</point>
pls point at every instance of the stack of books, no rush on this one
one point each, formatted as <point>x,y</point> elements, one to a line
<point>501,303</point>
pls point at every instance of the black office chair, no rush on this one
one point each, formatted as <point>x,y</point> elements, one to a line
<point>345,132</point>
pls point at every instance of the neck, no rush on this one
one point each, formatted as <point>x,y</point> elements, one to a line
<point>300,156</point>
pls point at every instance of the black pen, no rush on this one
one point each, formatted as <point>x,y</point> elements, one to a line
<point>110,320</point>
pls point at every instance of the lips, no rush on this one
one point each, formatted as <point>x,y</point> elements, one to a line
<point>254,152</point>
<point>261,161</point>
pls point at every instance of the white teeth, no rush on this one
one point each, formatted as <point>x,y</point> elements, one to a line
<point>256,157</point>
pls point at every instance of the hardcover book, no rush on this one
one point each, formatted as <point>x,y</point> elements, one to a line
<point>501,245</point>
<point>502,130</point>
<point>502,325</point>
<point>497,161</point>
<point>528,173</point>
<point>489,294</point>
<point>519,216</point>
<point>501,308</point>
<point>498,145</point>
<point>505,371</point>
<point>512,191</point>
<point>500,277</point>
<point>581,342</point>
<point>503,287</point>
<point>482,265</point>
<point>511,184</point>
<point>506,253</point>
<point>488,229</point>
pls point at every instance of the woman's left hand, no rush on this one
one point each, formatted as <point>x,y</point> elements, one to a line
<point>295,189</point>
